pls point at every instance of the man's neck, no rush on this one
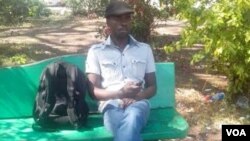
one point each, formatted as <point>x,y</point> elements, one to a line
<point>120,42</point>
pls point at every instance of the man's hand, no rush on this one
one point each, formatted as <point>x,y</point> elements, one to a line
<point>127,101</point>
<point>130,90</point>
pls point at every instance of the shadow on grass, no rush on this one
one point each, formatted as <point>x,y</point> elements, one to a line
<point>29,52</point>
<point>46,38</point>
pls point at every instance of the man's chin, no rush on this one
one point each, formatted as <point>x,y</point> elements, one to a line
<point>123,35</point>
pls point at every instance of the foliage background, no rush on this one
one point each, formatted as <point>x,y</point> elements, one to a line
<point>17,11</point>
<point>223,28</point>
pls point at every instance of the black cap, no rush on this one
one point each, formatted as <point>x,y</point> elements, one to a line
<point>117,7</point>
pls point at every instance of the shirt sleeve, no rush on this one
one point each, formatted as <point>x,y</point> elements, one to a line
<point>92,63</point>
<point>150,61</point>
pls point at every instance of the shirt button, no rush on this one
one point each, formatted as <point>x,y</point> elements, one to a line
<point>123,54</point>
<point>123,66</point>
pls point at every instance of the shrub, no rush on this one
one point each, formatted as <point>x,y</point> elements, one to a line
<point>224,29</point>
<point>16,11</point>
<point>143,19</point>
<point>84,7</point>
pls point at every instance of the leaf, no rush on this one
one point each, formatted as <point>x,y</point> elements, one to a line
<point>218,51</point>
<point>247,36</point>
<point>169,49</point>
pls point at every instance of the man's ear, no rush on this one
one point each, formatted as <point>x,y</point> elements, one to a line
<point>106,31</point>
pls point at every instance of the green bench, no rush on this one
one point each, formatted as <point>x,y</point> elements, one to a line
<point>18,86</point>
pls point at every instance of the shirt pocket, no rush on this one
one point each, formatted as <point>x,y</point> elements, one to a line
<point>138,68</point>
<point>108,68</point>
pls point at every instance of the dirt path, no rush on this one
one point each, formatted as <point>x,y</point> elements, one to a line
<point>75,37</point>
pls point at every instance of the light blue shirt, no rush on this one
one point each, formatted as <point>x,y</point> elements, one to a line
<point>116,67</point>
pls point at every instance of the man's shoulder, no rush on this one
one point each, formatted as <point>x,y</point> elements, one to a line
<point>97,46</point>
<point>142,44</point>
<point>139,43</point>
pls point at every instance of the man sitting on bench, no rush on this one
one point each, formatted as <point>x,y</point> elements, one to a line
<point>121,72</point>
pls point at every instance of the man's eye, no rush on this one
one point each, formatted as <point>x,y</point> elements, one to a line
<point>115,17</point>
<point>128,17</point>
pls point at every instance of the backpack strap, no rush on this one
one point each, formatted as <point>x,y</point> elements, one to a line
<point>71,77</point>
<point>49,102</point>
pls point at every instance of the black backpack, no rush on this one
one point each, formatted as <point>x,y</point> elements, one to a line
<point>60,100</point>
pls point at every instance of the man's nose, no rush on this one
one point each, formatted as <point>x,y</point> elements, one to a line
<point>124,20</point>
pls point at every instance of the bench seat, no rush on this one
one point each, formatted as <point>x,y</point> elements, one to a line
<point>18,88</point>
<point>163,123</point>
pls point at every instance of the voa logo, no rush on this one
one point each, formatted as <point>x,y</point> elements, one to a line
<point>236,132</point>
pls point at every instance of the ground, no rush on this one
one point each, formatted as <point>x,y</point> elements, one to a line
<point>48,38</point>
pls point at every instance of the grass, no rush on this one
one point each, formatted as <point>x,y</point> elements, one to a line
<point>17,54</point>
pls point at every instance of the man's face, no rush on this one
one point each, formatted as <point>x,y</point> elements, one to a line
<point>119,25</point>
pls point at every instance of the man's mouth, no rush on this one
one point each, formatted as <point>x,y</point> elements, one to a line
<point>123,30</point>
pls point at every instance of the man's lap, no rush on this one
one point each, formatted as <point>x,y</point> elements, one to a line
<point>138,111</point>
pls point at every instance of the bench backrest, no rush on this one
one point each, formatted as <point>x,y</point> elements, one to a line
<point>18,86</point>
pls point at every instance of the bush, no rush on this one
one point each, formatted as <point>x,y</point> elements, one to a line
<point>16,11</point>
<point>143,19</point>
<point>84,7</point>
<point>13,11</point>
<point>224,29</point>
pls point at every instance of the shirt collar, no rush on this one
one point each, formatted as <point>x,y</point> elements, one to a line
<point>132,42</point>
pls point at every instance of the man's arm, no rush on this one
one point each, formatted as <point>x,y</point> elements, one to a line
<point>150,87</point>
<point>130,90</point>
<point>94,81</point>
<point>148,92</point>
